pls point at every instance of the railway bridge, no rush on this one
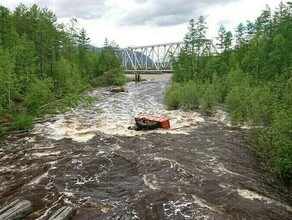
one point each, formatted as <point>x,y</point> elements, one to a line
<point>151,58</point>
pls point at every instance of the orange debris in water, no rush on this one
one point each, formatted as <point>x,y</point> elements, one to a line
<point>163,121</point>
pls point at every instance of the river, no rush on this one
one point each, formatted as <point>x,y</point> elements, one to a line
<point>200,168</point>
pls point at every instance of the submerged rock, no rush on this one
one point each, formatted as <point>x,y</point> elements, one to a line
<point>118,89</point>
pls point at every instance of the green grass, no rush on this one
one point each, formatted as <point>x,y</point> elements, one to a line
<point>22,122</point>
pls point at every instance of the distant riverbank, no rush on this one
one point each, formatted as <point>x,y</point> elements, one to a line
<point>158,77</point>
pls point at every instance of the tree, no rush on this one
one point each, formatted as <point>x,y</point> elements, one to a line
<point>108,58</point>
<point>200,40</point>
<point>225,39</point>
<point>263,24</point>
<point>256,85</point>
<point>240,35</point>
<point>8,83</point>
<point>249,31</point>
<point>8,35</point>
<point>83,43</point>
<point>224,45</point>
<point>196,46</point>
<point>39,94</point>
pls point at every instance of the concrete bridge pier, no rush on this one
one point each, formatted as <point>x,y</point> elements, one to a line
<point>137,78</point>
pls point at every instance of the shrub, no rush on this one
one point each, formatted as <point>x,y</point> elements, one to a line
<point>239,103</point>
<point>38,95</point>
<point>191,94</point>
<point>274,144</point>
<point>1,129</point>
<point>172,97</point>
<point>263,103</point>
<point>22,122</point>
<point>282,162</point>
<point>113,77</point>
<point>67,78</point>
<point>209,99</point>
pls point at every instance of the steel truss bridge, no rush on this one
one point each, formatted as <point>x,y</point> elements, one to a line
<point>158,58</point>
<point>150,58</point>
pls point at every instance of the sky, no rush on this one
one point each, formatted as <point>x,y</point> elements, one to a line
<point>148,22</point>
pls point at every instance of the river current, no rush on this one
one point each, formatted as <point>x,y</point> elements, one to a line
<point>200,168</point>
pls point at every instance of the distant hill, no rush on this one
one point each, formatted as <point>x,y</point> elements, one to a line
<point>140,57</point>
<point>138,54</point>
<point>95,49</point>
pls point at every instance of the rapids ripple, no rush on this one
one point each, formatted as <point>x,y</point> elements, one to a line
<point>87,158</point>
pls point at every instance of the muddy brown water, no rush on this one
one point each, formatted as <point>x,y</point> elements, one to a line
<point>199,169</point>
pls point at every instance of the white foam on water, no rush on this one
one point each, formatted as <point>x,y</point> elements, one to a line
<point>219,168</point>
<point>52,164</point>
<point>78,163</point>
<point>247,194</point>
<point>175,166</point>
<point>81,180</point>
<point>68,194</point>
<point>7,168</point>
<point>175,208</point>
<point>115,112</point>
<point>37,179</point>
<point>46,153</point>
<point>41,146</point>
<point>204,204</point>
<point>48,210</point>
<point>191,204</point>
<point>66,126</point>
<point>150,180</point>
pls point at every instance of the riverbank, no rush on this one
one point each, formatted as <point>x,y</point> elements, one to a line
<point>151,77</point>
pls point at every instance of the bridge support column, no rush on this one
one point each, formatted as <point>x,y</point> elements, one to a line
<point>137,78</point>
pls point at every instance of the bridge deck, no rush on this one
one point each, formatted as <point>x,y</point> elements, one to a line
<point>150,58</point>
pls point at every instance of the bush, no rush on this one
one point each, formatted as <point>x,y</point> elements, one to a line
<point>273,141</point>
<point>274,144</point>
<point>282,128</point>
<point>114,77</point>
<point>67,78</point>
<point>38,95</point>
<point>22,122</point>
<point>210,98</point>
<point>1,129</point>
<point>263,103</point>
<point>239,103</point>
<point>184,96</point>
<point>196,94</point>
<point>172,97</point>
<point>191,93</point>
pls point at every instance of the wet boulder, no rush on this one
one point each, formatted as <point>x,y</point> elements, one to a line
<point>118,89</point>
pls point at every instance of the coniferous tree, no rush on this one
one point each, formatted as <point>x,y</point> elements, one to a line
<point>83,44</point>
<point>253,80</point>
<point>108,59</point>
<point>240,35</point>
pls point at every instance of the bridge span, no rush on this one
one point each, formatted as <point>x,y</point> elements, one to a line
<point>151,58</point>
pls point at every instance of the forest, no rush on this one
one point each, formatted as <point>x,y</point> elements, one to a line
<point>248,72</point>
<point>45,65</point>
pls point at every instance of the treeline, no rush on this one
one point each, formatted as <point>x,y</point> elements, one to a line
<point>42,61</point>
<point>250,72</point>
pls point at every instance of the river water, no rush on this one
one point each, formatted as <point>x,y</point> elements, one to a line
<point>88,158</point>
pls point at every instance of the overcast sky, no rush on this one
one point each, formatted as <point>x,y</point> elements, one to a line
<point>146,22</point>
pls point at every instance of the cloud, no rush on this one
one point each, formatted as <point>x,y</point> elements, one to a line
<point>89,9</point>
<point>167,12</point>
<point>223,22</point>
<point>141,1</point>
